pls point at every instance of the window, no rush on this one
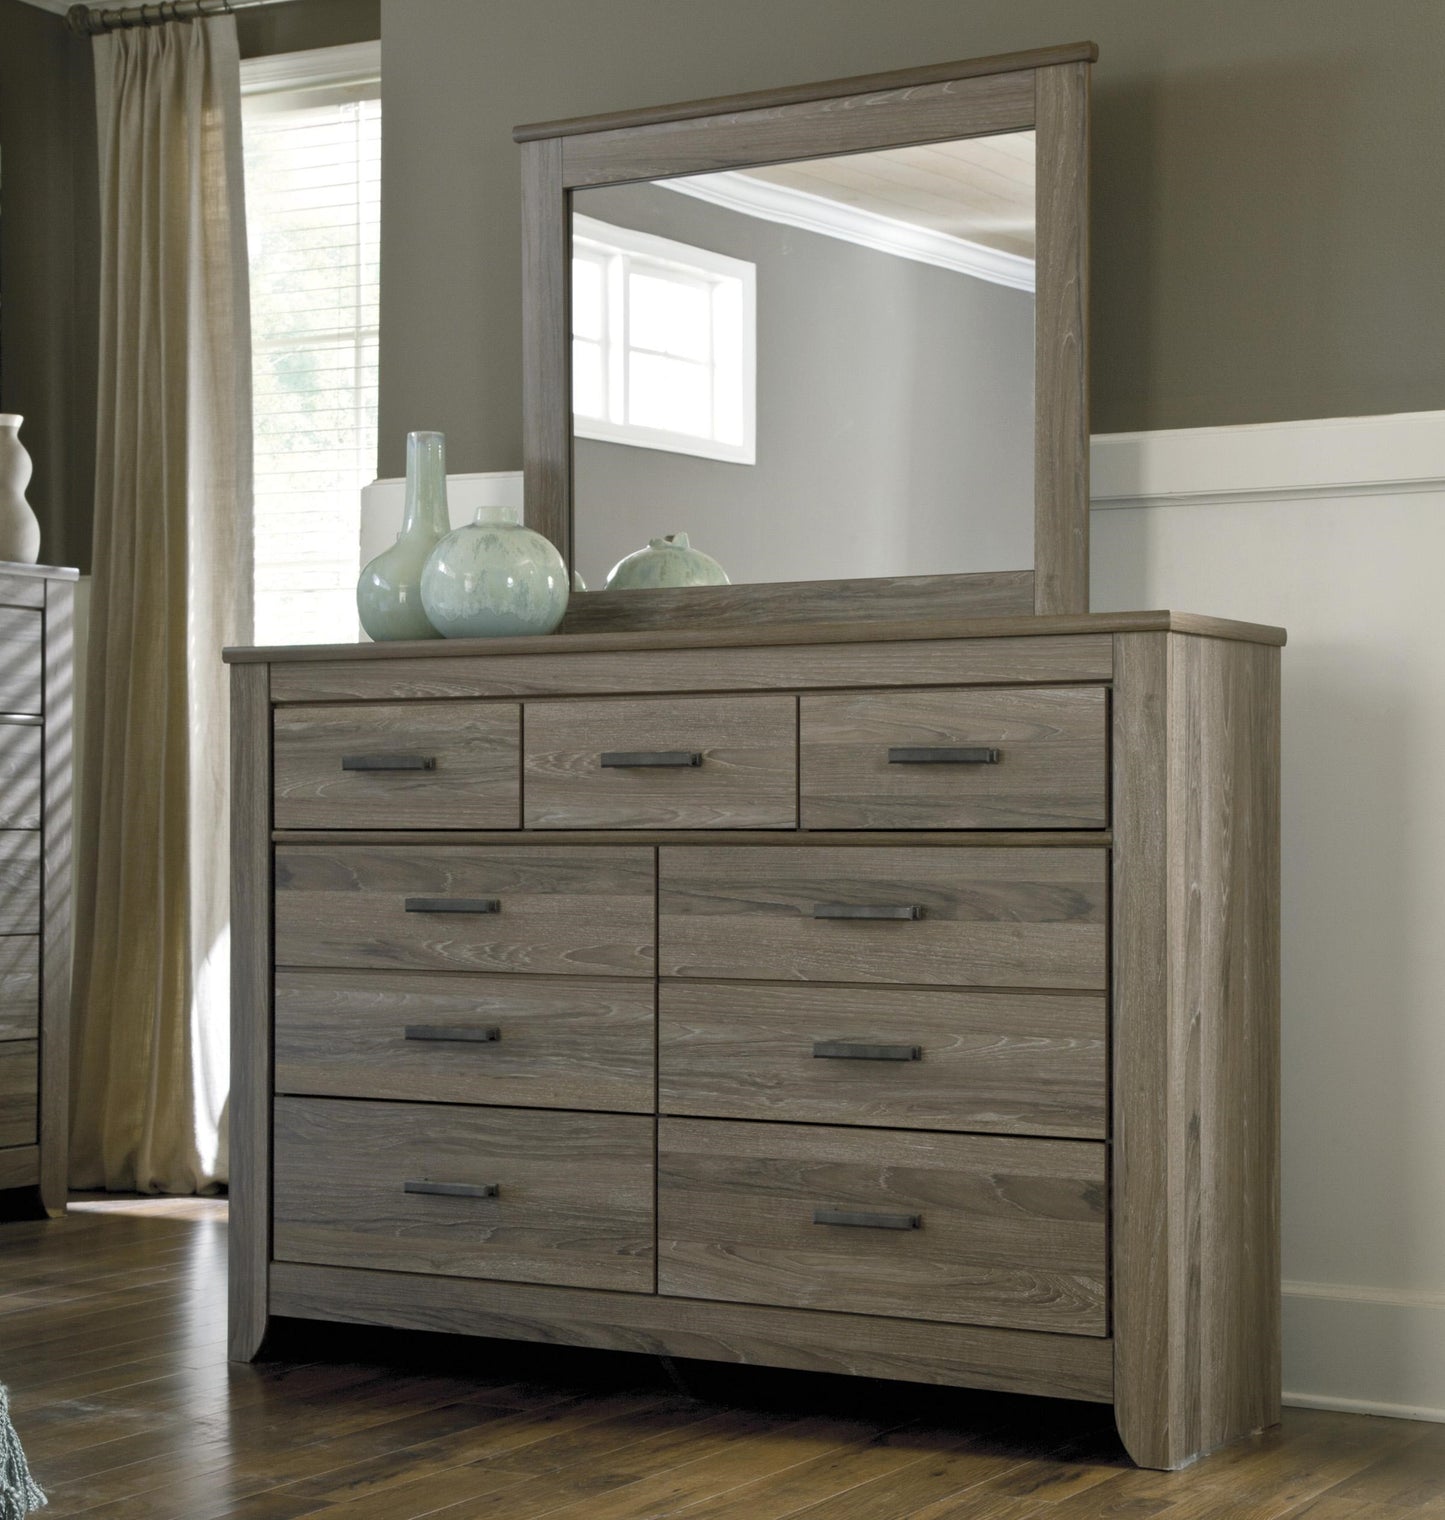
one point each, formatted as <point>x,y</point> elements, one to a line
<point>663,343</point>
<point>312,124</point>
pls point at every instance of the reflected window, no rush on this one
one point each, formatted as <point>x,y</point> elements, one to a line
<point>664,343</point>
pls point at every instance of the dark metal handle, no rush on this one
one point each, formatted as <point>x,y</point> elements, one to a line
<point>654,759</point>
<point>852,1050</point>
<point>453,904</point>
<point>470,1034</point>
<point>388,762</point>
<point>868,910</point>
<point>865,1221</point>
<point>453,1189</point>
<point>904,754</point>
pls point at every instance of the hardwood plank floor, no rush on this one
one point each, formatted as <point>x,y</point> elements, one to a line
<point>112,1339</point>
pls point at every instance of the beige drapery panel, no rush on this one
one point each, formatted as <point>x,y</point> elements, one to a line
<point>170,586</point>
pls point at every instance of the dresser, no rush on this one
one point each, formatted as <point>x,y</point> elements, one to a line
<point>37,608</point>
<point>897,1000</point>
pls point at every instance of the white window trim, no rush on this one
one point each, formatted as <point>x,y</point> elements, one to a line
<point>689,256</point>
<point>350,65</point>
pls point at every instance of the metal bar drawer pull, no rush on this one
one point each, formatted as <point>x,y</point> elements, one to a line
<point>905,754</point>
<point>468,1034</point>
<point>388,762</point>
<point>853,1050</point>
<point>453,1189</point>
<point>868,910</point>
<point>453,904</point>
<point>857,1220</point>
<point>651,759</point>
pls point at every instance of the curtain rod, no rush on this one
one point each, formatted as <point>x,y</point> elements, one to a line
<point>87,21</point>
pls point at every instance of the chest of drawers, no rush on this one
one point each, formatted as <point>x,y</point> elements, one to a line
<point>901,1003</point>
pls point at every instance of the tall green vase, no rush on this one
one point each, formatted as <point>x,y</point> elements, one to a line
<point>388,595</point>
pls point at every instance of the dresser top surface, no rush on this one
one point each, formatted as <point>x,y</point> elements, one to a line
<point>40,572</point>
<point>764,636</point>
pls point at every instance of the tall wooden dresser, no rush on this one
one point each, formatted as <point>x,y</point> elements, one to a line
<point>899,1001</point>
<point>37,609</point>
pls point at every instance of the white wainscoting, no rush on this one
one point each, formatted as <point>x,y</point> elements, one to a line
<point>1335,529</point>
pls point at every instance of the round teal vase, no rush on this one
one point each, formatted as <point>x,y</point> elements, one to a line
<point>388,595</point>
<point>494,579</point>
<point>666,561</point>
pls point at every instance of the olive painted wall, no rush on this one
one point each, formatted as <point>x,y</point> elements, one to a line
<point>1269,207</point>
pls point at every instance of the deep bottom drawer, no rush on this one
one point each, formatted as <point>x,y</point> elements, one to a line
<point>966,1228</point>
<point>19,1083</point>
<point>513,1194</point>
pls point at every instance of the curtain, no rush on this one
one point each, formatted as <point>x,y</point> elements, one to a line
<point>170,586</point>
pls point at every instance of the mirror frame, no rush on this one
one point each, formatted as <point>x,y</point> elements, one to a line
<point>1046,91</point>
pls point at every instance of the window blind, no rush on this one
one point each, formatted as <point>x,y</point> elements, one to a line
<point>313,218</point>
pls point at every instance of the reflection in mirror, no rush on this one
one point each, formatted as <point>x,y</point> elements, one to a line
<point>817,370</point>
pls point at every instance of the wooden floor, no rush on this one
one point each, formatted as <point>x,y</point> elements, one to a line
<point>112,1338</point>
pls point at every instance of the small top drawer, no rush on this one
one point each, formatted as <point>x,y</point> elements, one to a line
<point>21,663</point>
<point>662,763</point>
<point>421,765</point>
<point>1003,758</point>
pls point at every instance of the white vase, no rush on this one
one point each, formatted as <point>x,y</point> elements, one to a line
<point>19,528</point>
<point>494,578</point>
<point>388,595</point>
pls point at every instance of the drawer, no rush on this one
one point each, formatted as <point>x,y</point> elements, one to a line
<point>973,1229</point>
<point>1000,1062</point>
<point>21,767</point>
<point>997,758</point>
<point>503,1193</point>
<point>19,987</point>
<point>19,1086</point>
<point>398,765</point>
<point>545,909</point>
<point>19,881</point>
<point>662,763</point>
<point>22,665</point>
<point>979,917</point>
<point>540,1042</point>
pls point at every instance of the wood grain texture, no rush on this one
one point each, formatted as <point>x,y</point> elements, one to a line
<point>20,1166</point>
<point>1001,839</point>
<point>1052,771</point>
<point>21,774</point>
<point>563,1042</point>
<point>19,1092</point>
<point>473,747</point>
<point>1001,1063</point>
<point>563,911</point>
<point>19,987</point>
<point>22,637</point>
<point>968,1356</point>
<point>250,1101</point>
<point>991,918</point>
<point>793,604</point>
<point>20,590</point>
<point>547,346</point>
<point>1012,1232</point>
<point>1196,1063</point>
<point>1061,341</point>
<point>58,894</point>
<point>938,661</point>
<point>574,1204</point>
<point>747,778</point>
<point>846,123</point>
<point>20,882</point>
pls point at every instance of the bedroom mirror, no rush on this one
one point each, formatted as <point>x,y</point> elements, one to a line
<point>818,370</point>
<point>835,334</point>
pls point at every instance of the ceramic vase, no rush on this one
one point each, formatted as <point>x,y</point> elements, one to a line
<point>494,578</point>
<point>388,595</point>
<point>666,561</point>
<point>19,529</point>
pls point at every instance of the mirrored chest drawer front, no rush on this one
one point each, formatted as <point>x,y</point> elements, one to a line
<point>19,1091</point>
<point>536,909</point>
<point>20,881</point>
<point>974,758</point>
<point>662,763</point>
<point>969,1229</point>
<point>994,1062</point>
<point>21,769</point>
<point>533,1041</point>
<point>504,1193</point>
<point>398,765</point>
<point>19,987</point>
<point>938,915</point>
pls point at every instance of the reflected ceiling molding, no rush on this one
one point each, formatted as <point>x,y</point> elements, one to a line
<point>739,191</point>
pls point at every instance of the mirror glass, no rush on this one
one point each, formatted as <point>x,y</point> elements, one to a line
<point>817,370</point>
